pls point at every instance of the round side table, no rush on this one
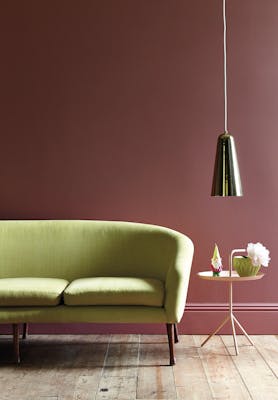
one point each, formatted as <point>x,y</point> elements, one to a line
<point>230,277</point>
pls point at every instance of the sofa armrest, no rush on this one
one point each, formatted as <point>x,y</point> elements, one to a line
<point>177,280</point>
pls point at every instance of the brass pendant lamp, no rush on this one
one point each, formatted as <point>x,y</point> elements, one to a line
<point>226,178</point>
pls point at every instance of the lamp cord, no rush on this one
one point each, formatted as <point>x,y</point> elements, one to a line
<point>225,68</point>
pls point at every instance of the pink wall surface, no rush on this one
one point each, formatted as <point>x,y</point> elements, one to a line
<point>112,109</point>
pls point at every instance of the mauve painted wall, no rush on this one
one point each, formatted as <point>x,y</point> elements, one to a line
<point>111,110</point>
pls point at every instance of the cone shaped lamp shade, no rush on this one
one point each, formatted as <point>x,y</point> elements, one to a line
<point>226,178</point>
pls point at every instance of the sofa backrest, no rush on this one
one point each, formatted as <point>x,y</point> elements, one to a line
<point>75,249</point>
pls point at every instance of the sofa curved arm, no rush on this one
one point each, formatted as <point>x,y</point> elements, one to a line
<point>177,280</point>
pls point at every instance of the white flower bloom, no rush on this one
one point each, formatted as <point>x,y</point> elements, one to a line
<point>258,254</point>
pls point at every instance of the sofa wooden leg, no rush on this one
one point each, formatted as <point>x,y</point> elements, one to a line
<point>171,343</point>
<point>16,342</point>
<point>25,331</point>
<point>176,333</point>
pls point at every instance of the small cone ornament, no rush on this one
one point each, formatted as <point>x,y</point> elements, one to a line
<point>216,262</point>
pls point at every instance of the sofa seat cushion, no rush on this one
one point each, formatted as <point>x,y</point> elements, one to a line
<point>17,292</point>
<point>115,291</point>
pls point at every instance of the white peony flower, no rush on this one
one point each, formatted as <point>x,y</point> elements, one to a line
<point>258,254</point>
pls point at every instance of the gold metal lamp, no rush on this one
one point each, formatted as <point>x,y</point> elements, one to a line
<point>226,178</point>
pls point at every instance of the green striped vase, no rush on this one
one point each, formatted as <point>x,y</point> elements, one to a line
<point>244,267</point>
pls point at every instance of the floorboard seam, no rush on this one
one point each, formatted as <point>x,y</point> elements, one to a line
<point>233,361</point>
<point>138,366</point>
<point>266,362</point>
<point>199,350</point>
<point>103,366</point>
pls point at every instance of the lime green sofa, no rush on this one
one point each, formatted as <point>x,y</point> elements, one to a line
<point>92,271</point>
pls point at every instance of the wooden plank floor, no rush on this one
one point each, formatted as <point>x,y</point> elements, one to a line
<point>129,367</point>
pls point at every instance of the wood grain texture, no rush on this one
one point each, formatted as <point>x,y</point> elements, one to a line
<point>119,375</point>
<point>155,376</point>
<point>254,370</point>
<point>87,386</point>
<point>222,375</point>
<point>117,388</point>
<point>267,346</point>
<point>190,377</point>
<point>129,367</point>
<point>156,383</point>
